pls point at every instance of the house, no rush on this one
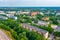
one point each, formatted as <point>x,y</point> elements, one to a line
<point>47,12</point>
<point>44,33</point>
<point>25,12</point>
<point>43,23</point>
<point>51,37</point>
<point>21,12</point>
<point>3,17</point>
<point>34,13</point>
<point>41,13</point>
<point>58,14</point>
<point>57,29</point>
<point>18,12</point>
<point>10,13</point>
<point>54,26</point>
<point>35,29</point>
<point>13,17</point>
<point>45,18</point>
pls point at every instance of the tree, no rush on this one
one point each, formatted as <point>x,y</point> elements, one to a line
<point>34,36</point>
<point>39,16</point>
<point>57,34</point>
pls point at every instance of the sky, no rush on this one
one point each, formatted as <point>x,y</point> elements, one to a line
<point>29,3</point>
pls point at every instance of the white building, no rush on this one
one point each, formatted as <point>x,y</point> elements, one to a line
<point>54,26</point>
<point>13,17</point>
<point>57,14</point>
<point>9,15</point>
<point>41,13</point>
<point>57,29</point>
<point>3,17</point>
<point>20,12</point>
<point>2,12</point>
<point>11,12</point>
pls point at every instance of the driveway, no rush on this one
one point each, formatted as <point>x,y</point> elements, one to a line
<point>3,36</point>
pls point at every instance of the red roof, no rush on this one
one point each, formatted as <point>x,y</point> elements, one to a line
<point>34,13</point>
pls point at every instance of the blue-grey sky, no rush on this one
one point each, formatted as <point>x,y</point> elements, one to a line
<point>30,3</point>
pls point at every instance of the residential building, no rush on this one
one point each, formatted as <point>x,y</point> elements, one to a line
<point>13,17</point>
<point>35,29</point>
<point>58,14</point>
<point>45,18</point>
<point>41,13</point>
<point>43,23</point>
<point>10,13</point>
<point>57,29</point>
<point>21,12</point>
<point>3,17</point>
<point>54,26</point>
<point>2,12</point>
<point>34,13</point>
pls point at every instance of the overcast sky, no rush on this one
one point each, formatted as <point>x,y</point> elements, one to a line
<point>30,3</point>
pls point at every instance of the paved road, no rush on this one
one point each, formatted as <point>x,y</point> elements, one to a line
<point>3,36</point>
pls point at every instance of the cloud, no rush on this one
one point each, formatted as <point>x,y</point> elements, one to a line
<point>29,2</point>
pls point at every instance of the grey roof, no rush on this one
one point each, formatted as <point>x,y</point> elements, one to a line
<point>57,29</point>
<point>39,30</point>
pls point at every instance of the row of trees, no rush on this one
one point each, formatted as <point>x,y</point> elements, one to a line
<point>18,32</point>
<point>49,29</point>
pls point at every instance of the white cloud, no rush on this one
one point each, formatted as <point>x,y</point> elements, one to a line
<point>30,2</point>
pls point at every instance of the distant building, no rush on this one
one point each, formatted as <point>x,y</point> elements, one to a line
<point>34,13</point>
<point>41,13</point>
<point>13,17</point>
<point>21,12</point>
<point>35,29</point>
<point>45,18</point>
<point>2,12</point>
<point>10,13</point>
<point>3,17</point>
<point>57,29</point>
<point>58,14</point>
<point>43,23</point>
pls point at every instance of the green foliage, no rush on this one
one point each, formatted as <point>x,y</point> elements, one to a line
<point>57,34</point>
<point>49,29</point>
<point>54,20</point>
<point>39,16</point>
<point>34,36</point>
<point>18,32</point>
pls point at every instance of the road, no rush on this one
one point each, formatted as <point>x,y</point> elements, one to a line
<point>3,36</point>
